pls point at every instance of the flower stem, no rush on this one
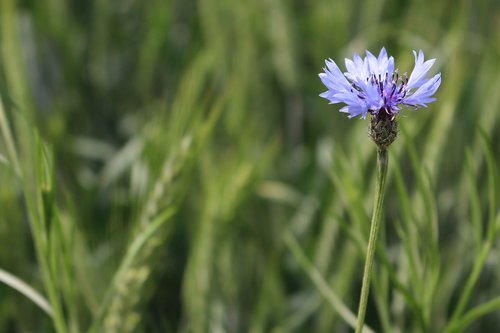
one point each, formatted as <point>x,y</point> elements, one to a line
<point>382,163</point>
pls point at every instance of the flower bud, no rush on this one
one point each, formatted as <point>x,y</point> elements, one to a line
<point>383,130</point>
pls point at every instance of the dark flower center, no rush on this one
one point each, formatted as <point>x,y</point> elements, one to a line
<point>383,114</point>
<point>392,89</point>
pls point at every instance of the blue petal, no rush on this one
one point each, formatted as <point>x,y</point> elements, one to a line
<point>385,64</point>
<point>424,94</point>
<point>381,65</point>
<point>332,96</point>
<point>382,56</point>
<point>372,96</point>
<point>372,63</point>
<point>333,78</point>
<point>355,110</point>
<point>355,105</point>
<point>357,70</point>
<point>417,77</point>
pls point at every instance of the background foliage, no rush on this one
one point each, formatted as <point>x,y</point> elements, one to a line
<point>168,166</point>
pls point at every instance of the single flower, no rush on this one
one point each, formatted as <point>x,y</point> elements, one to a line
<point>372,85</point>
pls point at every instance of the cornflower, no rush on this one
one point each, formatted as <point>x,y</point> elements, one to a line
<point>372,86</point>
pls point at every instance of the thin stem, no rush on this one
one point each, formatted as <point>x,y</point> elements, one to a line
<point>382,163</point>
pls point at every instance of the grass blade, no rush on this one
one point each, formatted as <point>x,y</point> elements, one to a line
<point>16,283</point>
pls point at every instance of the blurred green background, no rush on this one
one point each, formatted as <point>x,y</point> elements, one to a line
<point>191,179</point>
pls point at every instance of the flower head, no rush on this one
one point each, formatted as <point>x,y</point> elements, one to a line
<point>372,85</point>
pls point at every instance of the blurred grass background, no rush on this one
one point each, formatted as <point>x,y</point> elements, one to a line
<point>168,166</point>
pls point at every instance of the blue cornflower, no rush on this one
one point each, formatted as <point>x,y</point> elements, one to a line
<point>372,85</point>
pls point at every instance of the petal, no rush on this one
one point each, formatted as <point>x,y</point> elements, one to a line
<point>417,77</point>
<point>372,63</point>
<point>357,70</point>
<point>381,65</point>
<point>390,66</point>
<point>352,70</point>
<point>355,110</point>
<point>382,56</point>
<point>333,78</point>
<point>332,96</point>
<point>349,97</point>
<point>362,66</point>
<point>385,64</point>
<point>372,96</point>
<point>355,105</point>
<point>424,94</point>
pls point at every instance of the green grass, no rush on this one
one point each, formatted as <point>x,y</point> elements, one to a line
<point>169,166</point>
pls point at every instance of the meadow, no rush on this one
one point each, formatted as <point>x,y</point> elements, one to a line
<point>169,166</point>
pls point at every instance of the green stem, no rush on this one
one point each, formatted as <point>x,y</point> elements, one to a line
<point>382,163</point>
